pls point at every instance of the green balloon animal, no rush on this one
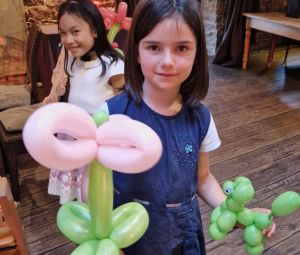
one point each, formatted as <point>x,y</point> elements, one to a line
<point>232,211</point>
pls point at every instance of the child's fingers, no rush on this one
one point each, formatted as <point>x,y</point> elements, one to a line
<point>270,231</point>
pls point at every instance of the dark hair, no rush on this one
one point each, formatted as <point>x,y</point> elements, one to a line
<point>86,10</point>
<point>147,15</point>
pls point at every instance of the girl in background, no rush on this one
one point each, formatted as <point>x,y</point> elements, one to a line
<point>166,72</point>
<point>95,72</point>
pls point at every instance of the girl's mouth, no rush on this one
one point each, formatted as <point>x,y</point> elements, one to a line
<point>166,74</point>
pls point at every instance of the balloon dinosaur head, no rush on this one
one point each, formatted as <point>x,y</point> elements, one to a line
<point>239,192</point>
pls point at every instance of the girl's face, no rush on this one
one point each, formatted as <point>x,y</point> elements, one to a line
<point>167,54</point>
<point>76,35</point>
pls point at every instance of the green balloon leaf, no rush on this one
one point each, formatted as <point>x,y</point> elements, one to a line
<point>74,221</point>
<point>107,247</point>
<point>87,248</point>
<point>130,222</point>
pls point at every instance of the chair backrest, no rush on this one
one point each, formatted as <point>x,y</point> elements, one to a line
<point>11,216</point>
<point>32,45</point>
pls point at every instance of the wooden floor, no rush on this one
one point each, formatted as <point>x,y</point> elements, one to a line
<point>257,113</point>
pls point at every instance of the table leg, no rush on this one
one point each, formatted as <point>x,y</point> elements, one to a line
<point>271,51</point>
<point>246,44</point>
<point>286,51</point>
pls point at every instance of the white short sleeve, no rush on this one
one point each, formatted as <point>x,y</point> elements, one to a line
<point>89,89</point>
<point>103,108</point>
<point>211,140</point>
<point>116,68</point>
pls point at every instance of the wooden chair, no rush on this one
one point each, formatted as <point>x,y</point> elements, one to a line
<point>11,230</point>
<point>11,139</point>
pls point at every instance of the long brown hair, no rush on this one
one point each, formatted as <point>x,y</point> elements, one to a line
<point>147,15</point>
<point>86,10</point>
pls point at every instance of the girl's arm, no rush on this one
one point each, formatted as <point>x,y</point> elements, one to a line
<point>117,82</point>
<point>208,187</point>
<point>59,80</point>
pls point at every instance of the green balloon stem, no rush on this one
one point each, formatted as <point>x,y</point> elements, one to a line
<point>100,199</point>
<point>114,29</point>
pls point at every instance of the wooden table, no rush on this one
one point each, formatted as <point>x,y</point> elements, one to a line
<point>275,23</point>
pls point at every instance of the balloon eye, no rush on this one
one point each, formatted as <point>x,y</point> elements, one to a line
<point>228,190</point>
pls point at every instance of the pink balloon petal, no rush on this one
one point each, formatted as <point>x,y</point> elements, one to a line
<point>127,145</point>
<point>122,11</point>
<point>42,144</point>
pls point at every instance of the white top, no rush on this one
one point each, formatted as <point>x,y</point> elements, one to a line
<point>88,89</point>
<point>210,142</point>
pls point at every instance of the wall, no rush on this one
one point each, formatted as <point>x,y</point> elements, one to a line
<point>215,11</point>
<point>45,11</point>
<point>214,15</point>
<point>12,19</point>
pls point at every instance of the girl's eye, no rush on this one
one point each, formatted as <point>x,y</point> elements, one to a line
<point>153,48</point>
<point>75,32</point>
<point>62,33</point>
<point>182,48</point>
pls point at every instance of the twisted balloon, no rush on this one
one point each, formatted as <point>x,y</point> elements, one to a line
<point>119,143</point>
<point>232,211</point>
<point>115,22</point>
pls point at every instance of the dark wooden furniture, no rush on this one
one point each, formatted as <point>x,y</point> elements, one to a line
<point>47,55</point>
<point>41,56</point>
<point>275,23</point>
<point>11,141</point>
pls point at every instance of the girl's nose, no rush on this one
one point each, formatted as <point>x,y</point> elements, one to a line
<point>67,39</point>
<point>167,59</point>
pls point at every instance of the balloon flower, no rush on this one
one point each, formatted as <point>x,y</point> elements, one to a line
<point>232,211</point>
<point>115,22</point>
<point>119,143</point>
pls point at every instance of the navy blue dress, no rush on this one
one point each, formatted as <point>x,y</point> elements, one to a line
<point>168,190</point>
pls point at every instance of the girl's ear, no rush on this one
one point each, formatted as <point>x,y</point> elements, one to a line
<point>138,59</point>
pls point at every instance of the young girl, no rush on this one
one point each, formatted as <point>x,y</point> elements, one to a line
<point>94,70</point>
<point>166,74</point>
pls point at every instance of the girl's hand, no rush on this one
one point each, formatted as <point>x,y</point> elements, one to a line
<point>270,230</point>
